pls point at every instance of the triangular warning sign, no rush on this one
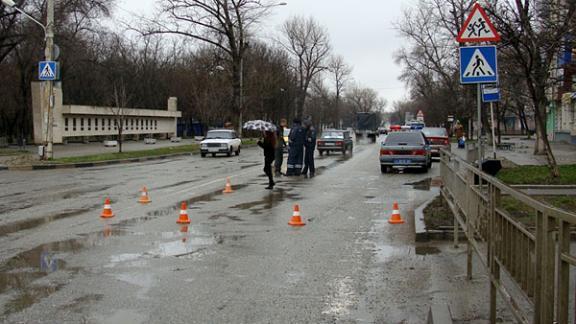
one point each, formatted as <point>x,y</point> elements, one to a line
<point>47,72</point>
<point>478,66</point>
<point>478,28</point>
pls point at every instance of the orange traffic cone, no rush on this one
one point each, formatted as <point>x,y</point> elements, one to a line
<point>183,219</point>
<point>395,218</point>
<point>107,212</point>
<point>296,219</point>
<point>228,187</point>
<point>144,198</point>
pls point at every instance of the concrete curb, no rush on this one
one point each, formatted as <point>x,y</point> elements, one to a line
<point>88,164</point>
<point>426,235</point>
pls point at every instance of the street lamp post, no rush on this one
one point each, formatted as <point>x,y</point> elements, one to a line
<point>48,54</point>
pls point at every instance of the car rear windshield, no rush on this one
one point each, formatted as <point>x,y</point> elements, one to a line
<point>404,138</point>
<point>219,134</point>
<point>435,132</point>
<point>333,135</point>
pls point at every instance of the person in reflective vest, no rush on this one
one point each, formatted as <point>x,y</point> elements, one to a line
<point>309,147</point>
<point>296,152</point>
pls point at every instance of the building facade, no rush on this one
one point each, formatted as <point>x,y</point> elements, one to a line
<point>91,123</point>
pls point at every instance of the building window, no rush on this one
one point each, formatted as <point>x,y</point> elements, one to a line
<point>109,124</point>
<point>66,124</point>
<point>155,124</point>
<point>74,124</point>
<point>115,124</point>
<point>89,123</point>
<point>81,124</point>
<point>131,123</point>
<point>95,124</point>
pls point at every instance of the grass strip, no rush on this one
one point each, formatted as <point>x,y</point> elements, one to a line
<point>129,155</point>
<point>530,174</point>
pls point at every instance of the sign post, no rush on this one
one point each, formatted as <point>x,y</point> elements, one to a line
<point>478,64</point>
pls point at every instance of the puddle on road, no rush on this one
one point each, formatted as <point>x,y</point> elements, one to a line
<point>426,184</point>
<point>269,201</point>
<point>421,185</point>
<point>76,193</point>
<point>175,184</point>
<point>249,165</point>
<point>425,250</point>
<point>35,222</point>
<point>18,274</point>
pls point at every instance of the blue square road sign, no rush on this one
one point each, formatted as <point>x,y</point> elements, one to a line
<point>47,70</point>
<point>478,64</point>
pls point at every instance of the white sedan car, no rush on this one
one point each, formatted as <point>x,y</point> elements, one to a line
<point>220,141</point>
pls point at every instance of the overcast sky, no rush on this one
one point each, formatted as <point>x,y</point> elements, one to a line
<point>361,31</point>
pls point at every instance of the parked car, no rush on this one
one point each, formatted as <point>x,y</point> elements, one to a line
<point>409,149</point>
<point>334,140</point>
<point>220,141</point>
<point>438,138</point>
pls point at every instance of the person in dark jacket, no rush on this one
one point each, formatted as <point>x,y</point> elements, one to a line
<point>309,147</point>
<point>296,152</point>
<point>280,145</point>
<point>269,145</point>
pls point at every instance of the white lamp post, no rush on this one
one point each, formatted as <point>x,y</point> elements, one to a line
<point>48,54</point>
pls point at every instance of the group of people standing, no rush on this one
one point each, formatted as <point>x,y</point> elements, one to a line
<point>301,145</point>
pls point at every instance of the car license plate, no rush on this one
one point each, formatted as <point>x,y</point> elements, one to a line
<point>402,161</point>
<point>212,149</point>
<point>330,144</point>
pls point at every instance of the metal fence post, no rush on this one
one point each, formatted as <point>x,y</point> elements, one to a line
<point>563,272</point>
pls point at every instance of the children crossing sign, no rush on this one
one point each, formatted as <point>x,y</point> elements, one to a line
<point>478,28</point>
<point>47,71</point>
<point>478,64</point>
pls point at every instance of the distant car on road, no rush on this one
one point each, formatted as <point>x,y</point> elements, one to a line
<point>334,140</point>
<point>438,138</point>
<point>408,149</point>
<point>220,141</point>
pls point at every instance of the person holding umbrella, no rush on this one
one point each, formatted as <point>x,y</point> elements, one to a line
<point>268,144</point>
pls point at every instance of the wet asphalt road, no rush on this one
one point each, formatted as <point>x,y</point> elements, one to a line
<point>238,261</point>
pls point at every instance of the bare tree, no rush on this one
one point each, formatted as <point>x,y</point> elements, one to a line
<point>365,100</point>
<point>309,43</point>
<point>119,110</point>
<point>225,24</point>
<point>534,33</point>
<point>340,75</point>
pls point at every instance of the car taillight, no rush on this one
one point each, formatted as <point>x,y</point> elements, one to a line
<point>419,152</point>
<point>386,152</point>
<point>446,141</point>
<point>320,143</point>
<point>338,143</point>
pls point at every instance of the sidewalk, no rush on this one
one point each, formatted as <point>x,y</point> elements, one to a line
<point>523,152</point>
<point>81,149</point>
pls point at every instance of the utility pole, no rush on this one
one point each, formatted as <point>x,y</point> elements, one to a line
<point>49,89</point>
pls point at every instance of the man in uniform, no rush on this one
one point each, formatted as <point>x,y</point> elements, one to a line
<point>309,147</point>
<point>296,152</point>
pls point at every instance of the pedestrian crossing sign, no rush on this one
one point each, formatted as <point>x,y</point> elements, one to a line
<point>47,70</point>
<point>478,64</point>
<point>478,27</point>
